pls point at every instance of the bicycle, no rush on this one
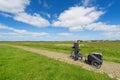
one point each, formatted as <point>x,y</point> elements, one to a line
<point>80,55</point>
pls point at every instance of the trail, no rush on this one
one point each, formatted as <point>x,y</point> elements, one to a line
<point>110,68</point>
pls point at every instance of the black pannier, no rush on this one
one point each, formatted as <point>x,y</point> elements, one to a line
<point>95,59</point>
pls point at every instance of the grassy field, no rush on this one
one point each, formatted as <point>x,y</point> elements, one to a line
<point>110,49</point>
<point>17,64</point>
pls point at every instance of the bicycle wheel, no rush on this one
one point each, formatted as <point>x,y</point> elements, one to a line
<point>80,56</point>
<point>72,54</point>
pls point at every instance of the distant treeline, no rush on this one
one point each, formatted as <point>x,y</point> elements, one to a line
<point>99,40</point>
<point>69,41</point>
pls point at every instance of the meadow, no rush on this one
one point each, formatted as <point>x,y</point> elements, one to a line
<point>17,64</point>
<point>109,49</point>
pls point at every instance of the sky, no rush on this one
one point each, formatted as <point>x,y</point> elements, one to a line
<point>59,20</point>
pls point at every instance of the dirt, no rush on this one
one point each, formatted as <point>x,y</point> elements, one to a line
<point>110,68</point>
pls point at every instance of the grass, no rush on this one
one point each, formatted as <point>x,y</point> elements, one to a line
<point>110,49</point>
<point>64,47</point>
<point>17,64</point>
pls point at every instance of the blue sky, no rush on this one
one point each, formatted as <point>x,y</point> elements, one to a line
<point>56,20</point>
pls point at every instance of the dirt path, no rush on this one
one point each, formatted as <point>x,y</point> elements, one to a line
<point>110,68</point>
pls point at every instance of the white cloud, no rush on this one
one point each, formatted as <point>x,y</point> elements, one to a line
<point>5,14</point>
<point>111,35</point>
<point>48,15</point>
<point>17,9</point>
<point>45,14</point>
<point>13,6</point>
<point>65,34</point>
<point>102,27</point>
<point>44,3</point>
<point>22,32</point>
<point>11,29</point>
<point>27,36</point>
<point>71,36</point>
<point>37,34</point>
<point>77,17</point>
<point>27,33</point>
<point>35,20</point>
<point>83,18</point>
<point>85,2</point>
<point>18,34</point>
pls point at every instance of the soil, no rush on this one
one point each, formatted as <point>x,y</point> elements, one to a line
<point>110,68</point>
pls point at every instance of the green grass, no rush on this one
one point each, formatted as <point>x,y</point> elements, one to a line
<point>17,64</point>
<point>64,47</point>
<point>110,49</point>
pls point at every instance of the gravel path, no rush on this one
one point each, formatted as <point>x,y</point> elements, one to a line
<point>110,68</point>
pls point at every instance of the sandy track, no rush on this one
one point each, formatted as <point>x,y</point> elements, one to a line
<point>110,68</point>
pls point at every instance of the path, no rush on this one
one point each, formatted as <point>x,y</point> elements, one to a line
<point>110,68</point>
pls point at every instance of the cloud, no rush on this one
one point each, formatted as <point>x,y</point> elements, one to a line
<point>5,14</point>
<point>71,36</point>
<point>27,36</point>
<point>37,34</point>
<point>45,14</point>
<point>17,11</point>
<point>81,18</point>
<point>44,3</point>
<point>102,27</point>
<point>88,3</point>
<point>77,17</point>
<point>111,35</point>
<point>85,2</point>
<point>110,4</point>
<point>11,29</point>
<point>14,7</point>
<point>18,34</point>
<point>22,32</point>
<point>27,33</point>
<point>65,34</point>
<point>35,20</point>
<point>17,31</point>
